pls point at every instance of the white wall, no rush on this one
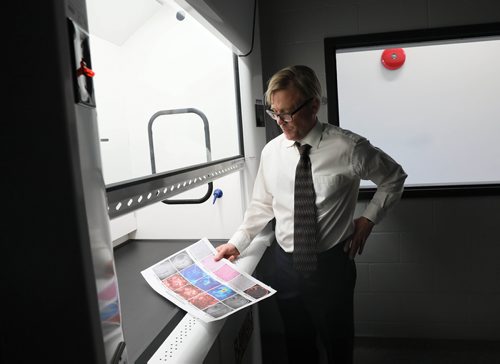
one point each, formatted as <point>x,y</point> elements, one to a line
<point>213,221</point>
<point>431,268</point>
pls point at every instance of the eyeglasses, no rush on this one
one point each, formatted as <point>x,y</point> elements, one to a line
<point>287,117</point>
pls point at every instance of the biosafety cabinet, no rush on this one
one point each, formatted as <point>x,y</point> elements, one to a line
<point>133,128</point>
<point>142,134</point>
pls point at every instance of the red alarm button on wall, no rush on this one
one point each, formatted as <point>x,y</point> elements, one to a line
<point>393,58</point>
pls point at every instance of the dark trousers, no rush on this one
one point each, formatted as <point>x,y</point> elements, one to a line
<point>318,309</point>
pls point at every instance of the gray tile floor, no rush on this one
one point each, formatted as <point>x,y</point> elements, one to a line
<point>422,351</point>
<point>403,351</point>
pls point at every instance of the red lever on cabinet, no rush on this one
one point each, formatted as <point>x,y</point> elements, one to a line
<point>84,70</point>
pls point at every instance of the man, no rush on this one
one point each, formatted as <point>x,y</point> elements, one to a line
<point>316,299</point>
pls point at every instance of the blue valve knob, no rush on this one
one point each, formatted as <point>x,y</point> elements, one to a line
<point>217,194</point>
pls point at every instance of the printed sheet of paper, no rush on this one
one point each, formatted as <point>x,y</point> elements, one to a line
<point>206,289</point>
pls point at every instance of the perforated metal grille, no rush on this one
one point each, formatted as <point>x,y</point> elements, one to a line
<point>127,197</point>
<point>174,344</point>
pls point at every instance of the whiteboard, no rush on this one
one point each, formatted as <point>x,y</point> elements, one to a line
<point>438,115</point>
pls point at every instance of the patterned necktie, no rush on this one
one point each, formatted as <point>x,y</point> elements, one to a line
<point>305,225</point>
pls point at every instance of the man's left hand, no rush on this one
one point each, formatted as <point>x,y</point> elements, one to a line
<point>362,229</point>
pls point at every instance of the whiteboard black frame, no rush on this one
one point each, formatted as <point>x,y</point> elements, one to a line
<point>332,44</point>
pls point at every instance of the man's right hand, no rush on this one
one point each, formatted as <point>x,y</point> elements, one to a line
<point>227,251</point>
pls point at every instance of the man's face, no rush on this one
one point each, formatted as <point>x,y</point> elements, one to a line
<point>286,101</point>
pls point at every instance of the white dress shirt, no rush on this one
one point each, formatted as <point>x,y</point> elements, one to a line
<point>339,160</point>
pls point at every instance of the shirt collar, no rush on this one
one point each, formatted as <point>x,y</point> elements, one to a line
<point>312,138</point>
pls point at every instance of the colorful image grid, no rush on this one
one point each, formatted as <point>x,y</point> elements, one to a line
<point>216,288</point>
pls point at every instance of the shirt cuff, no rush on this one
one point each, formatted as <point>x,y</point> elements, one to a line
<point>373,213</point>
<point>240,240</point>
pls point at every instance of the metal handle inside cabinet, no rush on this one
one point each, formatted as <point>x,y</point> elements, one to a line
<point>208,149</point>
<point>192,201</point>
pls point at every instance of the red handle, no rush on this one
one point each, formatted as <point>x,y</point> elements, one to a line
<point>84,70</point>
